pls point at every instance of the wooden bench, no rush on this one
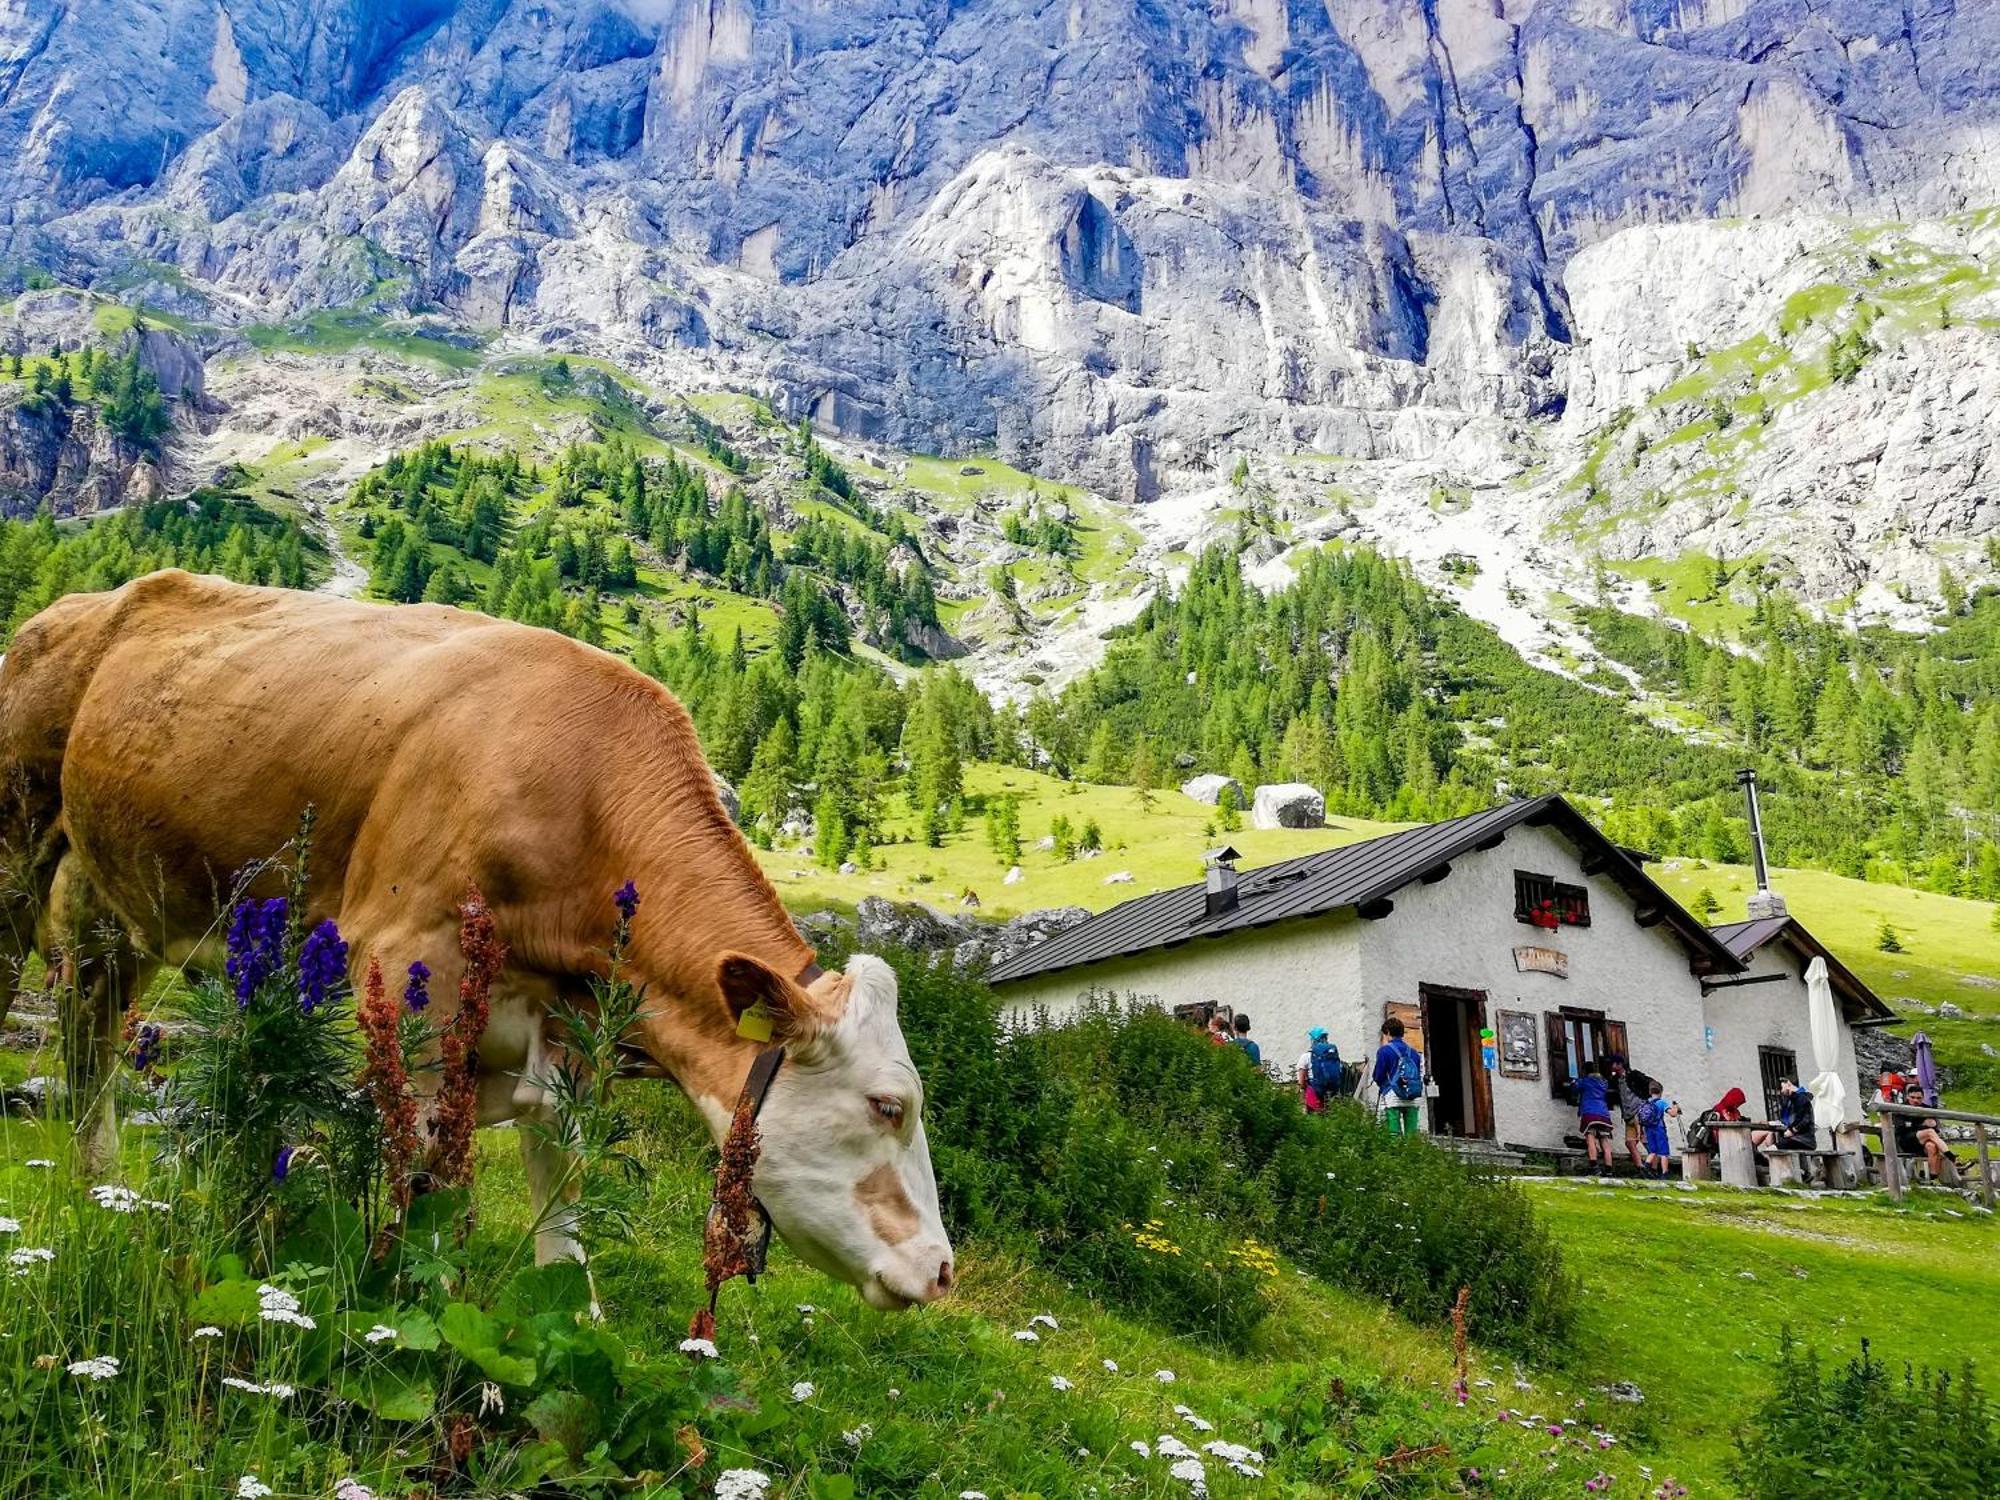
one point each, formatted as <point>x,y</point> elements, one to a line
<point>1790,1168</point>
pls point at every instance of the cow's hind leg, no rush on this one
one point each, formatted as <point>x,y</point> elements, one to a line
<point>31,847</point>
<point>98,973</point>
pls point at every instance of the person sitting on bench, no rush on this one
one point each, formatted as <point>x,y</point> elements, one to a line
<point>1919,1137</point>
<point>1795,1122</point>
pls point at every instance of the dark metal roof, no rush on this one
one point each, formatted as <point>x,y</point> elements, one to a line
<point>1745,938</point>
<point>1355,875</point>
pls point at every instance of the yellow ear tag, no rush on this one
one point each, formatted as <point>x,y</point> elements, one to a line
<point>755,1024</point>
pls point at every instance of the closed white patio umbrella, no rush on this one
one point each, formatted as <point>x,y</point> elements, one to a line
<point>1828,1091</point>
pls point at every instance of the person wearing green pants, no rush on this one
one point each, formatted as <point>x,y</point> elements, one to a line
<point>1399,1079</point>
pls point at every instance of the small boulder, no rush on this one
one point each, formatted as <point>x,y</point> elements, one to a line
<point>1013,876</point>
<point>1209,789</point>
<point>1287,804</point>
<point>848,867</point>
<point>1949,1010</point>
<point>1119,877</point>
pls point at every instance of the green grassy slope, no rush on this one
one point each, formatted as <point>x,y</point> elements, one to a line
<point>1159,843</point>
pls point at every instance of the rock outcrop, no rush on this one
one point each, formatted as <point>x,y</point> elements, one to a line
<point>1288,804</point>
<point>1209,789</point>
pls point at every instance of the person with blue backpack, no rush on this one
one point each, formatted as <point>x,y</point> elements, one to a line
<point>1399,1079</point>
<point>1321,1078</point>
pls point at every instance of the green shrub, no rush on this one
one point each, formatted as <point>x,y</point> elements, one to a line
<point>1861,1432</point>
<point>1075,1136</point>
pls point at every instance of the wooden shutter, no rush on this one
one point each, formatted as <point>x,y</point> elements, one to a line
<point>1614,1041</point>
<point>1412,1017</point>
<point>1557,1036</point>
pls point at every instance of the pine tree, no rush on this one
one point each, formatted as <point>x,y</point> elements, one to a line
<point>1705,904</point>
<point>1886,938</point>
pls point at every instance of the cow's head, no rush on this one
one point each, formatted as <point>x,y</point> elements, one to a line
<point>845,1172</point>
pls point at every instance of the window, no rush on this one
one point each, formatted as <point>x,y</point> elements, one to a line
<point>1774,1063</point>
<point>1544,901</point>
<point>1576,1037</point>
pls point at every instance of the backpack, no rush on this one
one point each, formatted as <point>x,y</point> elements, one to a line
<point>1699,1136</point>
<point>1407,1083</point>
<point>1323,1069</point>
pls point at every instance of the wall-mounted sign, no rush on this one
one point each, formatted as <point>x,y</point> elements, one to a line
<point>1541,961</point>
<point>1520,1045</point>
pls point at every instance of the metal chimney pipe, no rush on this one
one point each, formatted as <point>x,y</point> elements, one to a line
<point>1766,902</point>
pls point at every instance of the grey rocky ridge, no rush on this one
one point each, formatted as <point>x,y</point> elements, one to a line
<point>1531,281</point>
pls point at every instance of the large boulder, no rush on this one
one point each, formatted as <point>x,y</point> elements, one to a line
<point>1287,804</point>
<point>1209,789</point>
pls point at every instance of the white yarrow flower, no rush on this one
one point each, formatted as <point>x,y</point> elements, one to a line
<point>972,1495</point>
<point>1170,1446</point>
<point>381,1333</point>
<point>351,1488</point>
<point>1240,1459</point>
<point>206,1331</point>
<point>742,1484</point>
<point>27,1256</point>
<point>276,1305</point>
<point>1027,1336</point>
<point>38,1161</point>
<point>250,1487</point>
<point>276,1388</point>
<point>120,1200</point>
<point>1190,1472</point>
<point>1111,1365</point>
<point>1043,1320</point>
<point>1165,1377</point>
<point>1188,1416</point>
<point>1058,1383</point>
<point>9,1226</point>
<point>806,1310</point>
<point>703,1347</point>
<point>1139,1447</point>
<point>855,1437</point>
<point>102,1367</point>
<point>802,1390</point>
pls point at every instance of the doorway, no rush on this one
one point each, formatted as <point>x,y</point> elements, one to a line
<point>1462,1104</point>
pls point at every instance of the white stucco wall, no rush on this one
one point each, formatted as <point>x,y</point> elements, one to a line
<point>1746,1017</point>
<point>1287,977</point>
<point>1462,931</point>
<point>1338,971</point>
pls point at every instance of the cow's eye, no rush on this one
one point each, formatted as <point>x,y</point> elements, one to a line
<point>888,1111</point>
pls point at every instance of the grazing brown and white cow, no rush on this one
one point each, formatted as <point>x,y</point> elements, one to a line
<point>158,739</point>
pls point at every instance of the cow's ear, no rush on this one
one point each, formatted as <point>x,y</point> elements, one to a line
<point>764,1005</point>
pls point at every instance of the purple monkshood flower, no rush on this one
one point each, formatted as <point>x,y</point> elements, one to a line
<point>148,1051</point>
<point>416,995</point>
<point>627,900</point>
<point>283,1163</point>
<point>322,965</point>
<point>256,944</point>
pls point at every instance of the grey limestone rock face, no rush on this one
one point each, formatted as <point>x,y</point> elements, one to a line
<point>1290,804</point>
<point>1111,239</point>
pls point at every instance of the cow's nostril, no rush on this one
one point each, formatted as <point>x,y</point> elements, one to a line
<point>944,1276</point>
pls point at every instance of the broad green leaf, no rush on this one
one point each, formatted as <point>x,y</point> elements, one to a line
<point>392,1395</point>
<point>417,1329</point>
<point>565,1417</point>
<point>231,1304</point>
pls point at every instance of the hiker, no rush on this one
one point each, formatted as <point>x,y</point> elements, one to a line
<point>1593,1115</point>
<point>1242,1040</point>
<point>1701,1135</point>
<point>1653,1113</point>
<point>1218,1028</point>
<point>1795,1122</point>
<point>1399,1079</point>
<point>1632,1088</point>
<point>1319,1071</point>
<point>1919,1137</point>
<point>1890,1087</point>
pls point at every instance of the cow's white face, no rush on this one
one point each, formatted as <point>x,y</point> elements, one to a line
<point>844,1171</point>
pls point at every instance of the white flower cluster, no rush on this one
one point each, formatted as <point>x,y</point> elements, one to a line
<point>351,1488</point>
<point>276,1305</point>
<point>103,1367</point>
<point>1170,1446</point>
<point>1239,1458</point>
<point>381,1333</point>
<point>1140,1447</point>
<point>1187,1415</point>
<point>1027,1336</point>
<point>9,1226</point>
<point>1060,1383</point>
<point>122,1200</point>
<point>856,1436</point>
<point>38,1161</point>
<point>206,1331</point>
<point>250,1487</point>
<point>276,1388</point>
<point>802,1390</point>
<point>1190,1472</point>
<point>1165,1377</point>
<point>1111,1365</point>
<point>704,1348</point>
<point>26,1259</point>
<point>1043,1320</point>
<point>742,1484</point>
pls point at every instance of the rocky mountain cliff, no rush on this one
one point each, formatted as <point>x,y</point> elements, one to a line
<point>1119,242</point>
